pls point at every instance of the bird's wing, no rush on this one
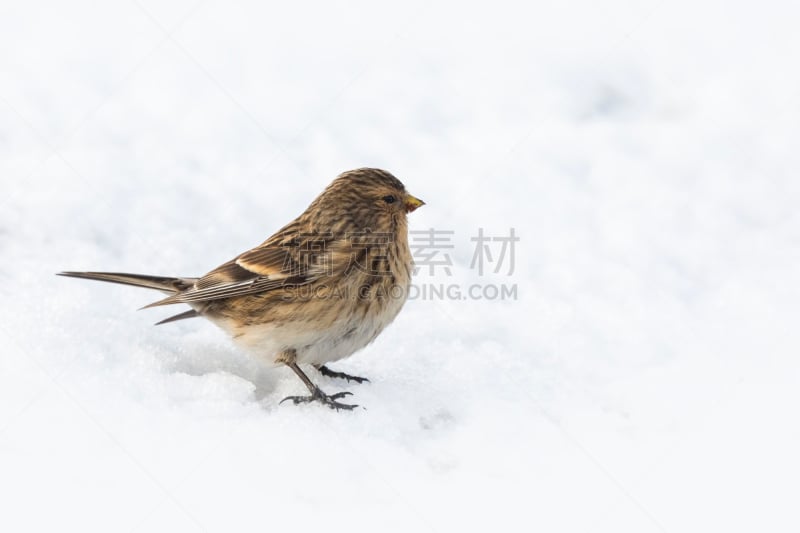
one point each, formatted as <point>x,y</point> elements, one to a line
<point>270,266</point>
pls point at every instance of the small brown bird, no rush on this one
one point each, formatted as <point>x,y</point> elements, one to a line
<point>318,290</point>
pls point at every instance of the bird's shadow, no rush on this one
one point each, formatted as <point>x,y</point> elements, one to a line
<point>215,360</point>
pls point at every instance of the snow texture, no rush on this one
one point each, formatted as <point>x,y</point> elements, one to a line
<point>646,378</point>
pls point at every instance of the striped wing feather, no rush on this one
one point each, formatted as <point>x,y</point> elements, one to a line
<point>264,268</point>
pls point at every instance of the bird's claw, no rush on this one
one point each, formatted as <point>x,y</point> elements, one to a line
<point>327,372</point>
<point>319,396</point>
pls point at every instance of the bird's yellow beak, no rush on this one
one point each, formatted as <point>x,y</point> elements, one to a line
<point>412,203</point>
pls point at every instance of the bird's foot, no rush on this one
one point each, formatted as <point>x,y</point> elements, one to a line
<point>327,372</point>
<point>326,399</point>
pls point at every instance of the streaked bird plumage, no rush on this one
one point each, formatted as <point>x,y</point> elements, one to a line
<point>318,290</point>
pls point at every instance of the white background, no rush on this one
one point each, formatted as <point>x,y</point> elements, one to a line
<point>646,378</point>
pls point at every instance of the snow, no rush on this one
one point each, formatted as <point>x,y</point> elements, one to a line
<point>645,379</point>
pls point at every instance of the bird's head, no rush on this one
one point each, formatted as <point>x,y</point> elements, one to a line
<point>365,198</point>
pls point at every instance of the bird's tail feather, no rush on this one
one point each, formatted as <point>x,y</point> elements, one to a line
<point>191,313</point>
<point>161,283</point>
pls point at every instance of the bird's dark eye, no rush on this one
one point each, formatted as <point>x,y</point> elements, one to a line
<point>389,199</point>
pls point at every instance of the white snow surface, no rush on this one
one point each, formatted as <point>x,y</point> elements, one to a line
<point>646,378</point>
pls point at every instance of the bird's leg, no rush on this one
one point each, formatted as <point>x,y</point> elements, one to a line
<point>316,393</point>
<point>327,372</point>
